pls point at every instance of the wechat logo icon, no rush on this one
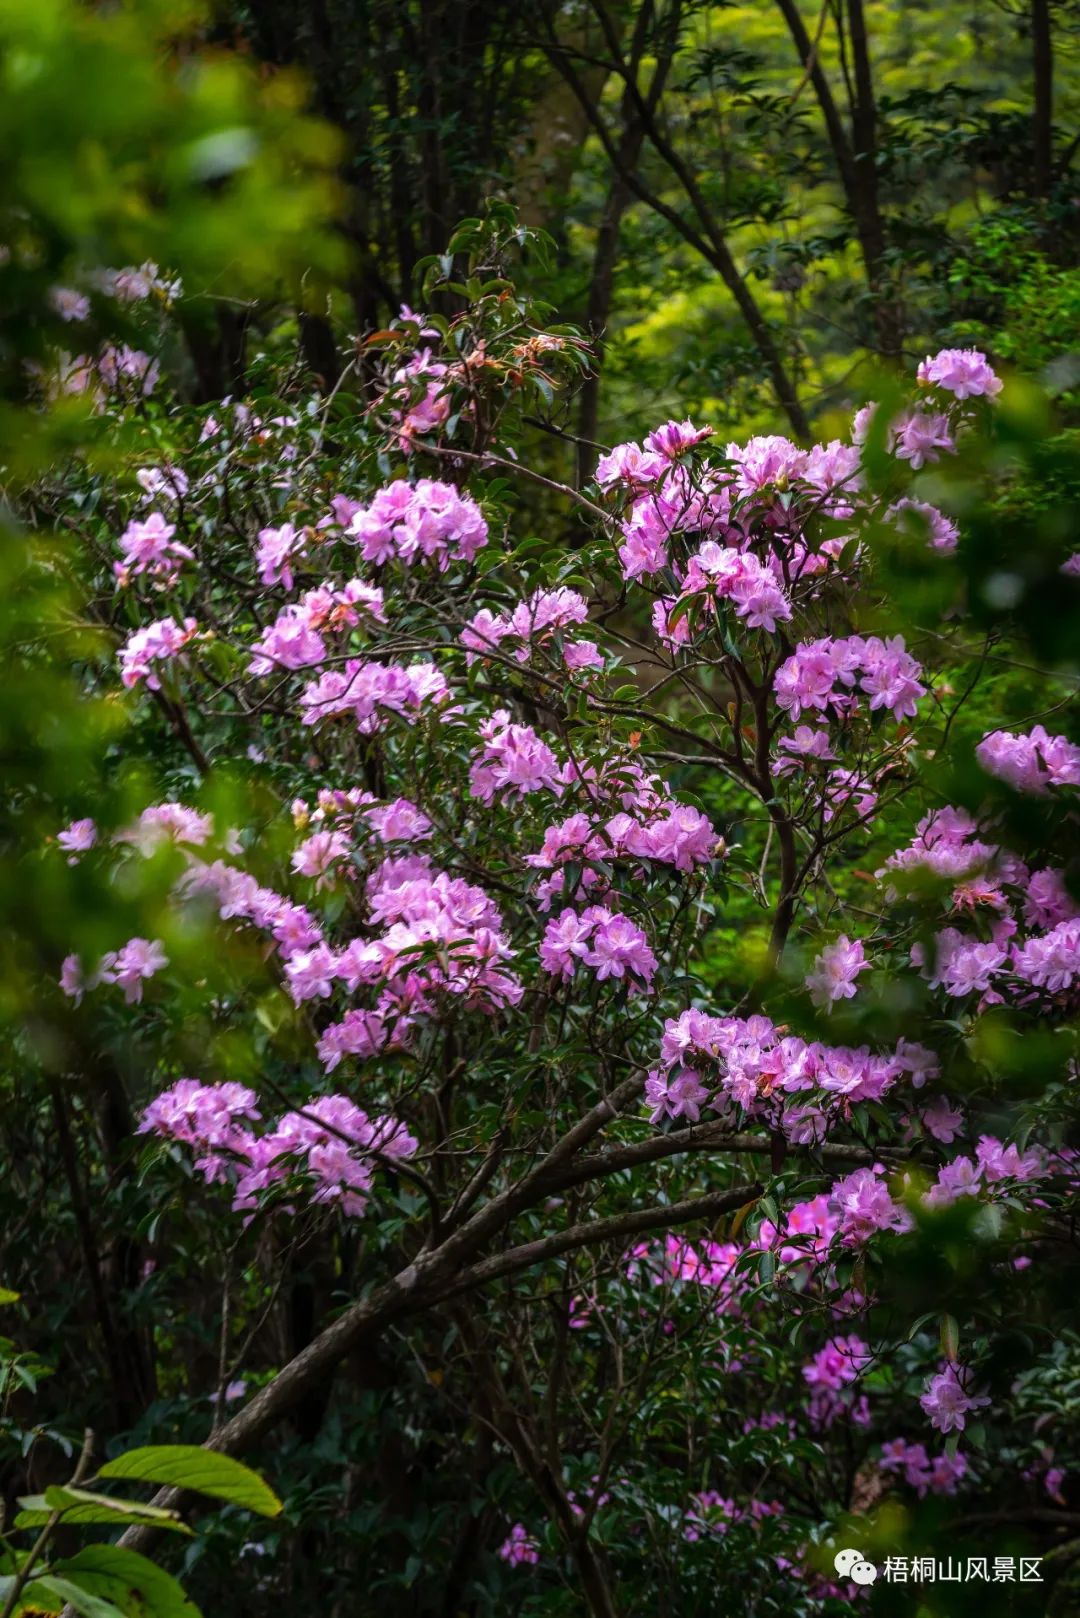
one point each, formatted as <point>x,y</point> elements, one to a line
<point>851,1564</point>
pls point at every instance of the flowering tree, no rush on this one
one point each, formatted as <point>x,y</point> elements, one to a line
<point>426,880</point>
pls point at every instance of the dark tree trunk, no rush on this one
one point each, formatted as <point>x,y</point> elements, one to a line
<point>320,350</point>
<point>601,288</point>
<point>855,156</point>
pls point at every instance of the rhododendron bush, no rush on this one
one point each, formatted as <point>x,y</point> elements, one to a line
<point>606,957</point>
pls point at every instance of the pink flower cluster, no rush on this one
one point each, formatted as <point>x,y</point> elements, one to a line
<point>519,1549</point>
<point>513,761</point>
<point>830,1375</point>
<point>371,691</point>
<point>442,938</point>
<point>167,822</point>
<point>295,640</point>
<point>149,547</point>
<point>134,284</point>
<point>919,436</point>
<point>707,1264</point>
<point>822,675</point>
<point>129,968</point>
<point>712,1513</point>
<point>68,303</point>
<point>963,372</point>
<point>946,844</point>
<point>123,368</point>
<point>722,573</point>
<point>1031,763</point>
<point>756,1066</point>
<point>166,483</point>
<point>399,822</point>
<point>862,1205</point>
<point>630,463</point>
<point>609,943</point>
<point>321,857</point>
<point>157,824</point>
<point>765,495</point>
<point>424,521</point>
<point>531,623</point>
<point>331,1142</point>
<point>942,1475</point>
<point>994,1165</point>
<point>663,831</point>
<point>842,1360</point>
<point>157,643</point>
<point>985,878</point>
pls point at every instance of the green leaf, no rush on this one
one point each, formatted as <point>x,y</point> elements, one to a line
<point>189,1466</point>
<point>132,1582</point>
<point>64,1592</point>
<point>950,1337</point>
<point>86,1506</point>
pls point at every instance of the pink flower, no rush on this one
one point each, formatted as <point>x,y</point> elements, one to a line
<point>149,547</point>
<point>941,534</point>
<point>674,439</point>
<point>842,1360</point>
<point>72,982</point>
<point>399,822</point>
<point>678,1095</point>
<point>948,1398</point>
<point>320,855</point>
<point>629,463</point>
<point>766,462</point>
<point>119,364</point>
<point>202,1115</point>
<point>620,948</point>
<point>139,959</point>
<point>920,436</point>
<point>960,1178</point>
<point>78,838</point>
<point>911,1459</point>
<point>310,973</point>
<point>361,1034</point>
<point>835,971</point>
<point>862,1205</point>
<point>1050,961</point>
<point>566,941</point>
<point>69,304</point>
<point>276,550</point>
<point>135,285</point>
<point>519,1548</point>
<point>807,743</point>
<point>162,482</point>
<point>946,1472</point>
<point>167,822</point>
<point>725,574</point>
<point>890,677</point>
<point>579,655</point>
<point>427,521</point>
<point>942,1120</point>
